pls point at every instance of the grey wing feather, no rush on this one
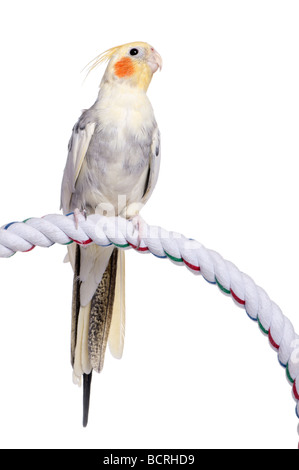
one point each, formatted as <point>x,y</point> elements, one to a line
<point>77,149</point>
<point>154,166</point>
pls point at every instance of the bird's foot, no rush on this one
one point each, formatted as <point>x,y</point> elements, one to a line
<point>77,212</point>
<point>140,225</point>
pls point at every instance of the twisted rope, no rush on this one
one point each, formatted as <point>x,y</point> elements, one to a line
<point>105,231</point>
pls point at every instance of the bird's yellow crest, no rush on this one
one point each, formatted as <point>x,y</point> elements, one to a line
<point>103,57</point>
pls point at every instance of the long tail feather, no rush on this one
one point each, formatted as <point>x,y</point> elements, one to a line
<point>101,314</point>
<point>117,328</point>
<point>91,321</point>
<point>86,396</point>
<point>75,303</point>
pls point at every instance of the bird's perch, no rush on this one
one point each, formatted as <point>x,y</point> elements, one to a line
<point>104,231</point>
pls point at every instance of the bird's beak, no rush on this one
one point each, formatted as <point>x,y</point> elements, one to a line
<point>155,60</point>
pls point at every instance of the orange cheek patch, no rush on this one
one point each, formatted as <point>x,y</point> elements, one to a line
<point>124,67</point>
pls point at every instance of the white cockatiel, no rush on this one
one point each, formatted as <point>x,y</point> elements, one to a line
<point>112,168</point>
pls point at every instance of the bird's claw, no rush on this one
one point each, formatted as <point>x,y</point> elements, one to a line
<point>77,212</point>
<point>139,224</point>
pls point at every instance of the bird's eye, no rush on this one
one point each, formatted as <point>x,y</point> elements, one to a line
<point>134,51</point>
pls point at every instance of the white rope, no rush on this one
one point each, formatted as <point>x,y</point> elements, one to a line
<point>44,232</point>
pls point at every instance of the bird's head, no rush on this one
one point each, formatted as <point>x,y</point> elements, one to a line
<point>133,63</point>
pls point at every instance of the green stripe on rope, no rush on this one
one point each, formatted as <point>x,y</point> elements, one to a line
<point>221,287</point>
<point>288,374</point>
<point>121,246</point>
<point>261,327</point>
<point>177,260</point>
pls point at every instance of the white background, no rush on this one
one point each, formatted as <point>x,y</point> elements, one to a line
<point>196,372</point>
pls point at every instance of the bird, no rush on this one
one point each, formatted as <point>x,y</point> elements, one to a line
<point>112,168</point>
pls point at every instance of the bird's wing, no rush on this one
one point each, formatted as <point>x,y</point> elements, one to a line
<point>78,146</point>
<point>154,166</point>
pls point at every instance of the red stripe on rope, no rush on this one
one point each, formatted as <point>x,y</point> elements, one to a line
<point>296,394</point>
<point>85,242</point>
<point>276,346</point>
<point>30,249</point>
<point>237,299</point>
<point>140,248</point>
<point>191,266</point>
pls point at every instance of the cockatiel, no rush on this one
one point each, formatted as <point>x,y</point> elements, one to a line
<point>112,168</point>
